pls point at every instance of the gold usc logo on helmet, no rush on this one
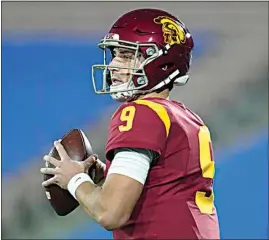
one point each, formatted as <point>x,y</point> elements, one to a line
<point>173,33</point>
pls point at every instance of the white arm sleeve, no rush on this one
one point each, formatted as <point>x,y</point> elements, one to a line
<point>131,164</point>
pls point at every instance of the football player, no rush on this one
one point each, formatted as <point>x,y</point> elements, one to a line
<point>157,182</point>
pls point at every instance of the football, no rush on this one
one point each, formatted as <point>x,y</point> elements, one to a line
<point>78,148</point>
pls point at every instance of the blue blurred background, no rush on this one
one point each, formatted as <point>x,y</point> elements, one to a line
<point>47,52</point>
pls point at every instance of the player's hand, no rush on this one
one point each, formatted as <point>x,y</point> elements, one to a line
<point>66,168</point>
<point>97,172</point>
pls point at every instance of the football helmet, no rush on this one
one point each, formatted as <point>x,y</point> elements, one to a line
<point>165,43</point>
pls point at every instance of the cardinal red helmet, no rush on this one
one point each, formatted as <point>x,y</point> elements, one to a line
<point>165,43</point>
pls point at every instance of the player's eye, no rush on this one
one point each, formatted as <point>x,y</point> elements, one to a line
<point>128,56</point>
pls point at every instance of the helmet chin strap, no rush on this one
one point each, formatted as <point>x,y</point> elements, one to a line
<point>118,93</point>
<point>122,92</point>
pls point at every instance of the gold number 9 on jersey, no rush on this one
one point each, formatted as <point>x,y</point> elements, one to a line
<point>204,203</point>
<point>127,116</point>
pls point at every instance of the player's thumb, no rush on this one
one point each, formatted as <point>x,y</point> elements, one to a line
<point>90,162</point>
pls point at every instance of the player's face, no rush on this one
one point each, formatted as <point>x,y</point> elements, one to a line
<point>123,58</point>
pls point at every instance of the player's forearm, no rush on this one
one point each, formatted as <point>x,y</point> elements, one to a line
<point>88,196</point>
<point>91,198</point>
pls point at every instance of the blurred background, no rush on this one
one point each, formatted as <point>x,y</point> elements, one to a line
<point>47,52</point>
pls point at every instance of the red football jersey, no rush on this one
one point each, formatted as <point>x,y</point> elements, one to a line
<point>177,201</point>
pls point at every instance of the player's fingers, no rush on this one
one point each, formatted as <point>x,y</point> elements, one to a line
<point>89,163</point>
<point>50,182</point>
<point>50,171</point>
<point>100,164</point>
<point>62,153</point>
<point>91,160</point>
<point>52,160</point>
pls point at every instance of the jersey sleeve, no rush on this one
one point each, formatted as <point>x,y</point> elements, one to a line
<point>140,124</point>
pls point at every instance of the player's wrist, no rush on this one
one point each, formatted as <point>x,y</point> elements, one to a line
<point>76,181</point>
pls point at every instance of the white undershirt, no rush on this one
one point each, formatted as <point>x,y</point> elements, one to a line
<point>132,164</point>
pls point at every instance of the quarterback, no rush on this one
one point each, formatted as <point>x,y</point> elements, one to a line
<point>157,182</point>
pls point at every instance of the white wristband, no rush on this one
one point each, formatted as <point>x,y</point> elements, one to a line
<point>76,181</point>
